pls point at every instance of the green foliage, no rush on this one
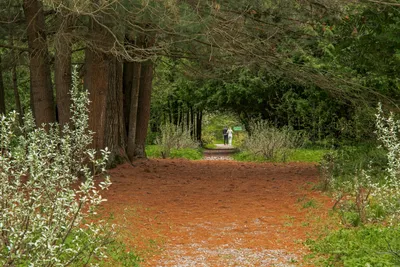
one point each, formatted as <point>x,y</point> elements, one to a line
<point>119,255</point>
<point>366,192</point>
<point>214,123</point>
<point>296,155</point>
<point>270,142</point>
<point>306,155</point>
<point>247,156</point>
<point>154,151</point>
<point>365,246</point>
<point>310,204</point>
<point>48,191</point>
<point>174,137</point>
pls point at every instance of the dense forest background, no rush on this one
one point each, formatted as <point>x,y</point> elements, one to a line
<point>319,66</point>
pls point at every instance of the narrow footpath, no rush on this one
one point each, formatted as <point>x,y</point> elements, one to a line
<point>221,152</point>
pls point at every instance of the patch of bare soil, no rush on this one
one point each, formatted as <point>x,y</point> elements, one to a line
<point>216,213</point>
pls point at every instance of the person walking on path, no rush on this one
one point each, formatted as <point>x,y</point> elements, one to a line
<point>225,133</point>
<point>230,135</point>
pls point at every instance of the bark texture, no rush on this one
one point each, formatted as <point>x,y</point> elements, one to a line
<point>133,111</point>
<point>103,79</point>
<point>143,115</point>
<point>96,81</point>
<point>63,72</point>
<point>114,121</point>
<point>42,99</point>
<point>199,122</point>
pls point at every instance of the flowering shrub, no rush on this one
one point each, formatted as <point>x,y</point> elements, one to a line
<point>48,191</point>
<point>387,192</point>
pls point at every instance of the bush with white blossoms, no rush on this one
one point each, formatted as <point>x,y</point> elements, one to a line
<point>48,192</point>
<point>388,192</point>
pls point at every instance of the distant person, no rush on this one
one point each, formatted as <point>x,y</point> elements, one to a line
<point>225,133</point>
<point>230,136</point>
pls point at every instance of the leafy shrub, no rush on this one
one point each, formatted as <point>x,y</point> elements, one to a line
<point>352,173</point>
<point>48,191</point>
<point>270,142</point>
<point>366,184</point>
<point>173,136</point>
<point>366,246</point>
<point>208,138</point>
<point>366,180</point>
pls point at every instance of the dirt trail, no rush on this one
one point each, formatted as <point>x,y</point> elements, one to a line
<point>221,152</point>
<point>216,213</point>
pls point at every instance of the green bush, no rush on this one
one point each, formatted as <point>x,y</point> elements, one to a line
<point>174,137</point>
<point>48,191</point>
<point>272,143</point>
<point>366,246</point>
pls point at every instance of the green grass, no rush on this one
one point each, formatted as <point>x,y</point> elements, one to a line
<point>307,155</point>
<point>154,151</point>
<point>297,155</point>
<point>246,156</point>
<point>364,246</point>
<point>210,146</point>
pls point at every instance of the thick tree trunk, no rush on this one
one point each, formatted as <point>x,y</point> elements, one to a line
<point>62,72</point>
<point>104,81</point>
<point>146,81</point>
<point>133,114</point>
<point>96,81</point>
<point>2,93</point>
<point>114,124</point>
<point>40,80</point>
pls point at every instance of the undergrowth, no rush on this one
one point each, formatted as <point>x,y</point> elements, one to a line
<point>365,183</point>
<point>375,246</point>
<point>295,155</point>
<point>155,151</point>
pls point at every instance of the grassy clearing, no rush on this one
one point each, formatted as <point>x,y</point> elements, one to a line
<point>154,151</point>
<point>296,155</point>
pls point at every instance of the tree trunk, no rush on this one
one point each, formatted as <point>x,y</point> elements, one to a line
<point>40,80</point>
<point>104,81</point>
<point>62,72</point>
<point>188,120</point>
<point>146,81</point>
<point>96,81</point>
<point>133,114</point>
<point>114,124</point>
<point>2,93</point>
<point>127,91</point>
<point>14,75</point>
<point>192,123</point>
<point>16,94</point>
<point>199,120</point>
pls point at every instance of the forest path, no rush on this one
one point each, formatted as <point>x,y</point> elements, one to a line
<point>216,213</point>
<point>221,152</point>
